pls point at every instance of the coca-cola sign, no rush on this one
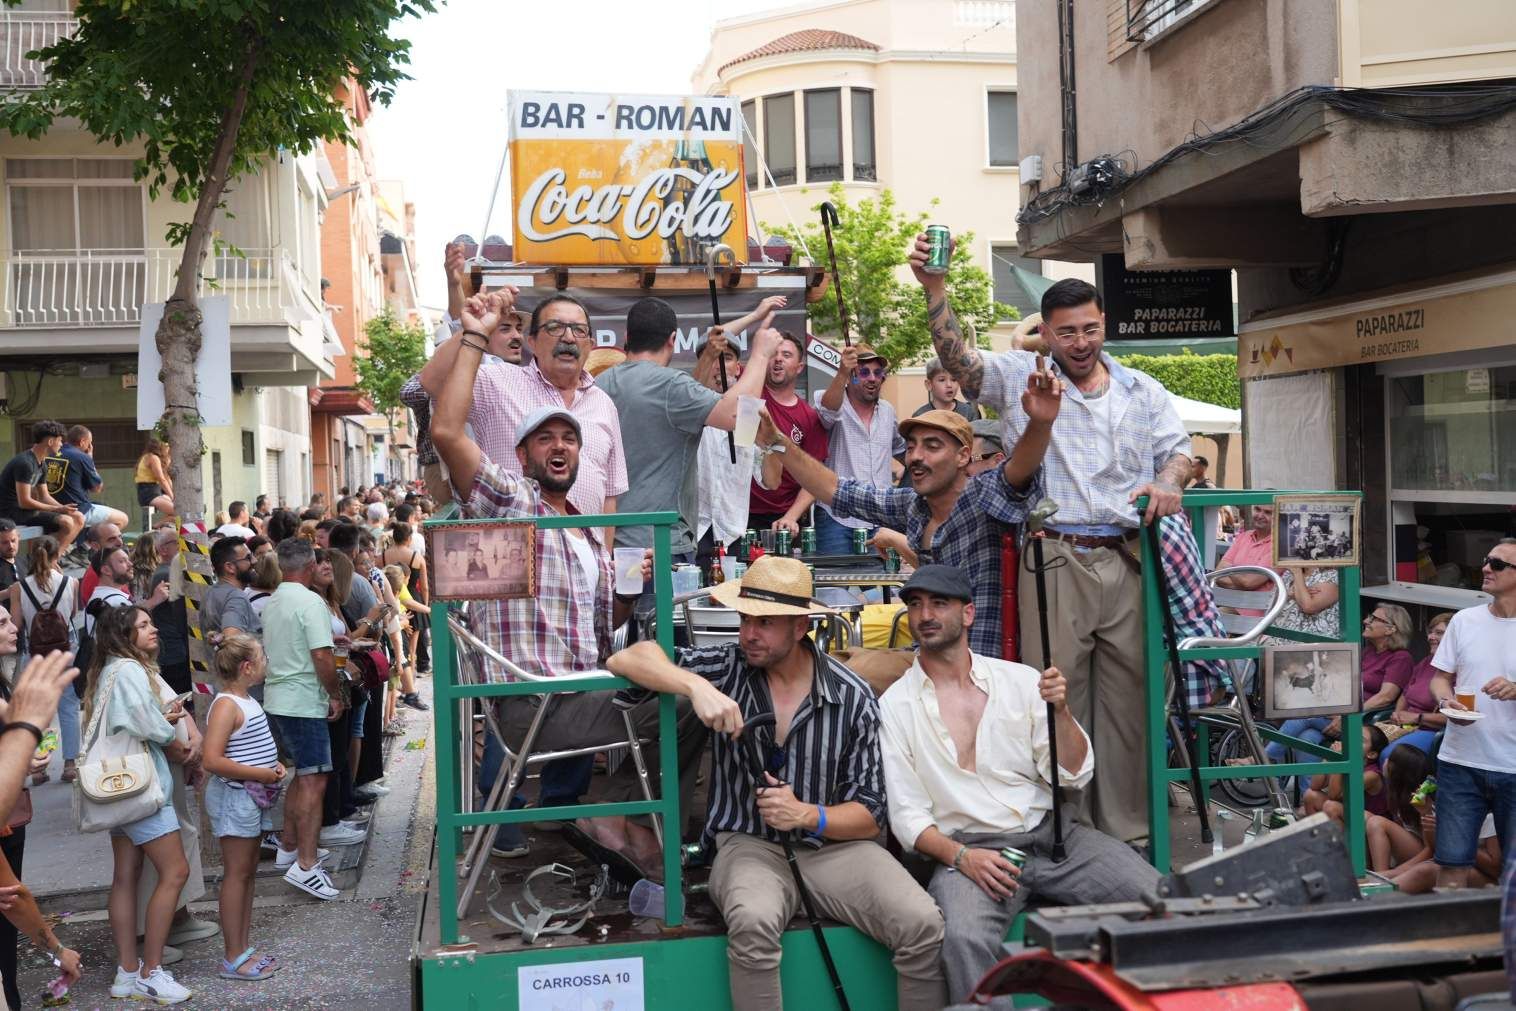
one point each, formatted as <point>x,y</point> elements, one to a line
<point>625,179</point>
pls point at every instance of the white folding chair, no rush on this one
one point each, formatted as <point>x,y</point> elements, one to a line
<point>477,663</point>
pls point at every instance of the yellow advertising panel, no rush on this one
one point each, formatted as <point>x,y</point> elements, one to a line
<point>626,179</point>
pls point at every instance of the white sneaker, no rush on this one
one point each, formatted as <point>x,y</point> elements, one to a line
<point>342,834</point>
<point>314,881</point>
<point>283,858</point>
<point>160,987</point>
<point>126,981</point>
<point>375,790</point>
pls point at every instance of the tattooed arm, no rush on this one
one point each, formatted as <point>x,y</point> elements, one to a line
<point>958,354</point>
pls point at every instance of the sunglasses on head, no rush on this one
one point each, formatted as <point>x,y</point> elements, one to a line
<point>1498,564</point>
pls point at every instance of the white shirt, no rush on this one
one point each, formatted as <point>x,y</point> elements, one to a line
<point>584,560</point>
<point>236,530</point>
<point>1010,789</point>
<point>723,486</point>
<point>112,596</point>
<point>857,450</point>
<point>418,542</point>
<point>1477,647</point>
<point>1103,445</point>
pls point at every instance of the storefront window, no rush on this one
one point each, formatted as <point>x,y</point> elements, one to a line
<point>1453,436</point>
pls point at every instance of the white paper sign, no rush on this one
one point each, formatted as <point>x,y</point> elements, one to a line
<point>213,369</point>
<point>613,984</point>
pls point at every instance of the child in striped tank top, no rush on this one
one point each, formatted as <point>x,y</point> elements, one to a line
<point>244,768</point>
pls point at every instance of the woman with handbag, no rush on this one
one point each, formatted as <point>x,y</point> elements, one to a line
<point>121,703</point>
<point>48,589</point>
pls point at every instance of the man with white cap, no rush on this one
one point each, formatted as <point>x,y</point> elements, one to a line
<point>565,627</point>
<point>824,788</point>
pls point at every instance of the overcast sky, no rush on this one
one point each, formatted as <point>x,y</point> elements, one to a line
<point>444,134</point>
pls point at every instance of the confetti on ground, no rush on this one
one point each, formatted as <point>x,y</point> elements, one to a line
<point>419,744</point>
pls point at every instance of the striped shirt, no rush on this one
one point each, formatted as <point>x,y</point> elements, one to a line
<point>252,743</point>
<point>566,627</point>
<point>831,754</point>
<point>987,508</point>
<point>412,395</point>
<point>505,394</point>
<point>1093,464</point>
<point>861,452</point>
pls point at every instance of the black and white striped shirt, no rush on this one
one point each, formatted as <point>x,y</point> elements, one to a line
<point>831,755</point>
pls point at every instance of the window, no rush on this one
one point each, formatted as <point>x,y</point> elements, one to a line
<point>249,457</point>
<point>1004,143</point>
<point>779,137</point>
<point>74,204</point>
<point>823,135</point>
<point>1012,288</point>
<point>117,442</point>
<point>749,152</point>
<point>863,135</point>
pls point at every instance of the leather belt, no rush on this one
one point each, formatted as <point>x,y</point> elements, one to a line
<point>1091,541</point>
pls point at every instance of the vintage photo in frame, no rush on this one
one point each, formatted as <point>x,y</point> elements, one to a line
<point>1311,679</point>
<point>483,561</point>
<point>1316,530</point>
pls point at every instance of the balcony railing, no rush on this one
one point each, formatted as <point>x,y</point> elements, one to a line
<point>23,32</point>
<point>107,288</point>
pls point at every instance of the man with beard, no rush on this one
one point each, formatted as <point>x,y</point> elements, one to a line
<point>788,506</point>
<point>966,762</point>
<point>862,438</point>
<point>825,790</point>
<point>565,628</point>
<point>947,515</point>
<point>225,607</point>
<point>1117,439</point>
<point>104,535</point>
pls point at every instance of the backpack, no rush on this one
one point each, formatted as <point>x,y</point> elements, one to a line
<point>49,629</point>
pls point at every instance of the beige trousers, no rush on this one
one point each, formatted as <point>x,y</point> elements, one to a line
<point>857,883</point>
<point>1095,624</point>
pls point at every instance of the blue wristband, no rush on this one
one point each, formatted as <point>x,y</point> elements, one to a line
<point>821,822</point>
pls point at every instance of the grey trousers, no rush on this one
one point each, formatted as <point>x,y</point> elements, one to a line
<point>1097,868</point>
<point>857,883</point>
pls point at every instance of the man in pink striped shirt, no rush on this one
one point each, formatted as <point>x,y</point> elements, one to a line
<point>560,337</point>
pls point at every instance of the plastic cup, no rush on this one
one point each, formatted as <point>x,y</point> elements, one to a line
<point>746,431</point>
<point>1466,699</point>
<point>646,899</point>
<point>628,563</point>
<point>686,579</point>
<point>728,567</point>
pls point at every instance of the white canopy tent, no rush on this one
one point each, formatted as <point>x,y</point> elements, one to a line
<point>1200,418</point>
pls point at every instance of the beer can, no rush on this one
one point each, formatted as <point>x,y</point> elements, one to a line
<point>860,541</point>
<point>808,541</point>
<point>782,542</point>
<point>1014,855</point>
<point>892,561</point>
<point>939,238</point>
<point>1281,817</point>
<point>738,570</point>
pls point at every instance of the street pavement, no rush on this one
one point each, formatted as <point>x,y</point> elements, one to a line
<point>352,952</point>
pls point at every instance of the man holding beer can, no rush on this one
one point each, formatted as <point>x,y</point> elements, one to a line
<point>968,771</point>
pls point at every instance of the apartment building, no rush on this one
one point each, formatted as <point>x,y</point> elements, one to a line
<point>82,248</point>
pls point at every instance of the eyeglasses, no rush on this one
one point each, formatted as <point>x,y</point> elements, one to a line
<point>1089,333</point>
<point>557,328</point>
<point>1498,564</point>
<point>1374,619</point>
<point>870,372</point>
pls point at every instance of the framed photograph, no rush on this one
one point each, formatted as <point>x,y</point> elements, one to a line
<point>1311,679</point>
<point>483,561</point>
<point>1316,530</point>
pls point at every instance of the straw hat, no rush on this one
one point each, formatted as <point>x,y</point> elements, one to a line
<point>773,586</point>
<point>601,359</point>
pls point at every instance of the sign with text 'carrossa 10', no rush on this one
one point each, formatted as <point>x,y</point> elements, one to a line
<point>625,179</point>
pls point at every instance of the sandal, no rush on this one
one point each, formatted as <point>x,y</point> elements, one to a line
<point>622,868</point>
<point>262,969</point>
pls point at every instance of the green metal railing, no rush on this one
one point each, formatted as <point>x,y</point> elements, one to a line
<point>449,737</point>
<point>1349,763</point>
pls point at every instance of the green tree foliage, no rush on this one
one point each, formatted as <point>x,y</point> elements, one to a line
<point>393,351</point>
<point>886,308</point>
<point>209,89</point>
<point>1209,378</point>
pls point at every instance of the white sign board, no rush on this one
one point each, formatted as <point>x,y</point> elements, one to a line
<point>581,986</point>
<point>213,371</point>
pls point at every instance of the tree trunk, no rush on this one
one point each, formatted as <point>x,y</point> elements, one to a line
<point>178,338</point>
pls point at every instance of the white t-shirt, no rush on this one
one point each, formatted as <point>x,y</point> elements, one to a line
<point>1103,448</point>
<point>584,560</point>
<point>111,596</point>
<point>1477,647</point>
<point>236,530</point>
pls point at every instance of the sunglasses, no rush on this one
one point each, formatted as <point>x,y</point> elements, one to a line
<point>1498,564</point>
<point>869,372</point>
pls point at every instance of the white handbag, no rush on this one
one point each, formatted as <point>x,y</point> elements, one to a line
<point>118,780</point>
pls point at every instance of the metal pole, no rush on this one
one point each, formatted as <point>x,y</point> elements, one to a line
<point>711,259</point>
<point>1034,524</point>
<point>829,220</point>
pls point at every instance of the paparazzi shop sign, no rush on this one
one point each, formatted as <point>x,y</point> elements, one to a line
<point>625,179</point>
<point>1165,304</point>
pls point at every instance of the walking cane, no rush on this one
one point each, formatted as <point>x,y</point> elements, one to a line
<point>758,767</point>
<point>712,258</point>
<point>829,220</point>
<point>1034,523</point>
<point>1196,788</point>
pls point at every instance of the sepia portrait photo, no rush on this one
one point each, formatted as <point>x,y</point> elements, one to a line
<point>1311,679</point>
<point>483,561</point>
<point>1316,530</point>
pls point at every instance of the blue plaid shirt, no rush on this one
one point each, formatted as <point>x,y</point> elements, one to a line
<point>1090,469</point>
<point>969,539</point>
<point>1191,604</point>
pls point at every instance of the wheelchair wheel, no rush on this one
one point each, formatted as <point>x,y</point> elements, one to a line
<point>1242,792</point>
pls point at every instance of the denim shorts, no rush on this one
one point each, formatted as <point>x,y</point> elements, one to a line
<point>145,830</point>
<point>359,711</point>
<point>232,812</point>
<point>1464,796</point>
<point>306,740</point>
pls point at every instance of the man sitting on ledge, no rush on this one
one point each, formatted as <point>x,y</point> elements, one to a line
<point>827,787</point>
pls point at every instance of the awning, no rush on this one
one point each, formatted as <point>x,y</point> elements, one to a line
<point>1460,312</point>
<point>1201,418</point>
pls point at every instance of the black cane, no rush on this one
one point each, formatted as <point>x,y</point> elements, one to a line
<point>1196,788</point>
<point>829,220</point>
<point>759,767</point>
<point>711,259</point>
<point>1034,524</point>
